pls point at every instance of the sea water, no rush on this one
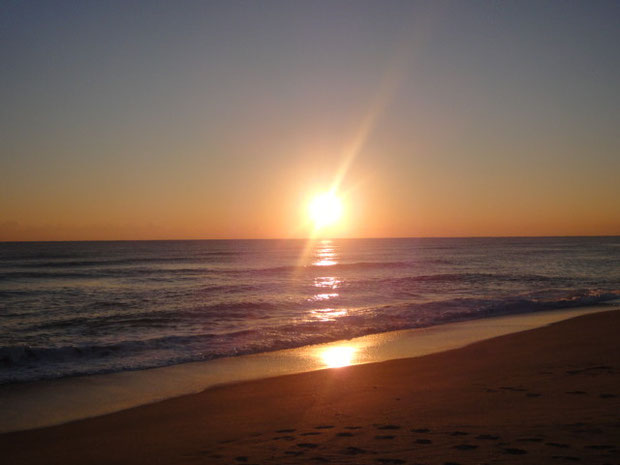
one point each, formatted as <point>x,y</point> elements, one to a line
<point>75,308</point>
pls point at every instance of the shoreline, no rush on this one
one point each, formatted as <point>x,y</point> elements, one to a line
<point>47,403</point>
<point>546,395</point>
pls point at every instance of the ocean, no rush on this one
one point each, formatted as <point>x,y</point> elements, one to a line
<point>77,308</point>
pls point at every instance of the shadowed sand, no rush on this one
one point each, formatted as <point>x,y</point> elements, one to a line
<point>549,395</point>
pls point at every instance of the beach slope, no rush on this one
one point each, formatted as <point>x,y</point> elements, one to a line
<point>548,395</point>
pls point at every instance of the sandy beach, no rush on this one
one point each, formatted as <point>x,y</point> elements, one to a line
<point>548,395</point>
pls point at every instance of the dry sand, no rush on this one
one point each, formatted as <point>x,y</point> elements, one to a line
<point>549,395</point>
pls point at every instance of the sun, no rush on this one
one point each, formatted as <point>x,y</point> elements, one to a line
<point>325,209</point>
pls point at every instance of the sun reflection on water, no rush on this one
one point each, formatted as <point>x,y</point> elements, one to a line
<point>325,254</point>
<point>325,296</point>
<point>338,356</point>
<point>328,314</point>
<point>327,281</point>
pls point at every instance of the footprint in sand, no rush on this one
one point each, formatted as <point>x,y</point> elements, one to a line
<point>285,438</point>
<point>390,461</point>
<point>557,444</point>
<point>577,393</point>
<point>423,441</point>
<point>532,394</point>
<point>458,433</point>
<point>465,447</point>
<point>320,459</point>
<point>421,430</point>
<point>514,451</point>
<point>307,445</point>
<point>344,435</point>
<point>286,431</point>
<point>566,457</point>
<point>600,447</point>
<point>241,458</point>
<point>324,426</point>
<point>588,430</point>
<point>353,451</point>
<point>608,396</point>
<point>487,437</point>
<point>352,427</point>
<point>385,437</point>
<point>529,439</point>
<point>590,369</point>
<point>311,433</point>
<point>387,426</point>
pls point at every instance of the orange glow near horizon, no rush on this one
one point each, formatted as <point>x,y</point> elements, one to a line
<point>194,136</point>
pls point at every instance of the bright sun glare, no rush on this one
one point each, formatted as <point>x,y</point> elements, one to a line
<point>325,209</point>
<point>339,356</point>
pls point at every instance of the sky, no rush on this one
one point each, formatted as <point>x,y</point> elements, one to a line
<point>208,119</point>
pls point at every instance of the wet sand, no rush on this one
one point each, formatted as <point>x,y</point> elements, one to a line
<point>548,395</point>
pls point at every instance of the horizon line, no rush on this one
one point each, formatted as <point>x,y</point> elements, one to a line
<point>310,238</point>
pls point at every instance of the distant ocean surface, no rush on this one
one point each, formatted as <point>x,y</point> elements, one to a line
<point>74,308</point>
